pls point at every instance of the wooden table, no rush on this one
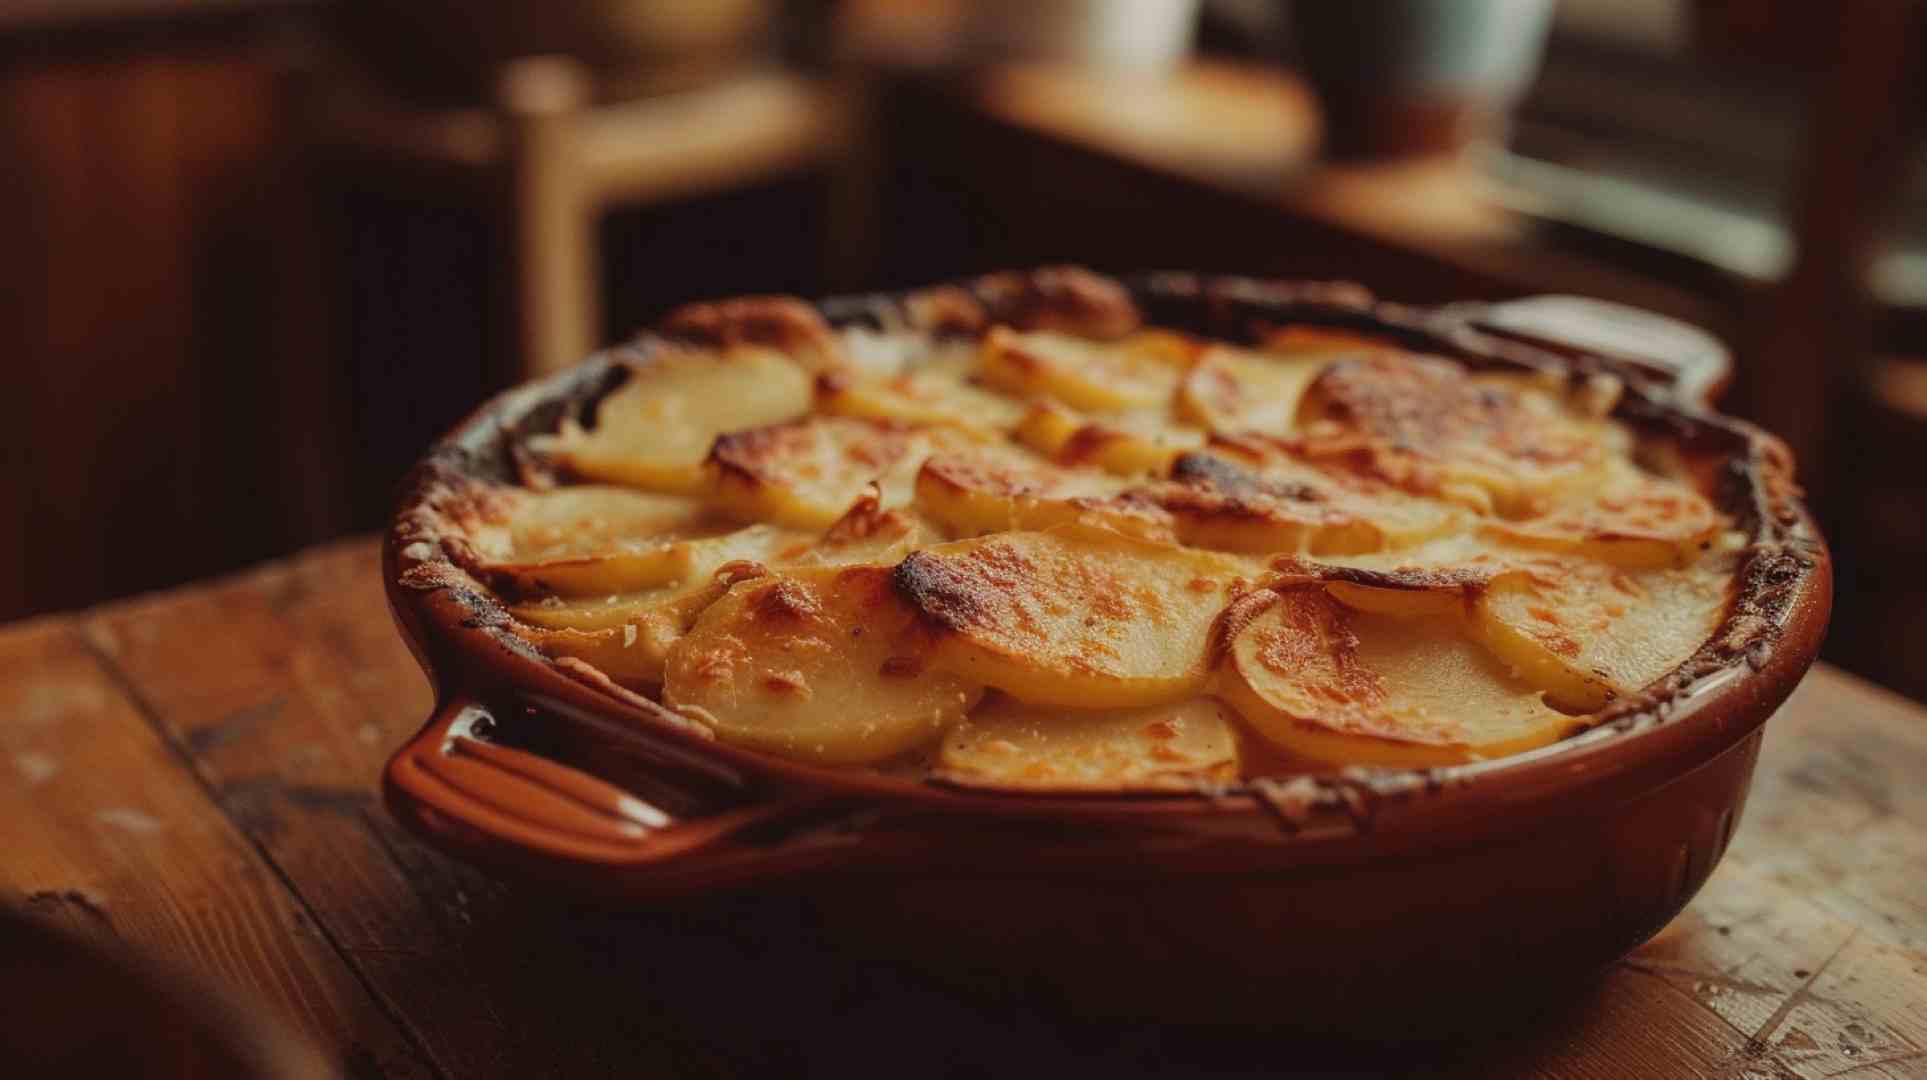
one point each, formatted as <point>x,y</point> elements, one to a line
<point>193,775</point>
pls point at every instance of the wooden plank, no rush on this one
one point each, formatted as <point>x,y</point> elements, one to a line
<point>109,835</point>
<point>1838,812</point>
<point>288,720</point>
<point>289,715</point>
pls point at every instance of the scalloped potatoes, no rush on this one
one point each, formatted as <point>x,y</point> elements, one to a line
<point>1037,560</point>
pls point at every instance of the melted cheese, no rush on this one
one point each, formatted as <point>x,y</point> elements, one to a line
<point>1149,548</point>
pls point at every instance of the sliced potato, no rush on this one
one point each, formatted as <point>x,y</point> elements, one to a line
<point>1008,744</point>
<point>632,654</point>
<point>593,539</point>
<point>999,488</point>
<point>868,533</point>
<point>1095,376</point>
<point>1493,443</point>
<point>1352,688</point>
<point>1075,615</point>
<point>1232,391</point>
<point>938,391</point>
<point>1128,444</point>
<point>808,473</point>
<point>1633,520</point>
<point>699,561</point>
<point>1586,633</point>
<point>655,430</point>
<point>594,519</point>
<point>1289,507</point>
<point>1413,594</point>
<point>827,665</point>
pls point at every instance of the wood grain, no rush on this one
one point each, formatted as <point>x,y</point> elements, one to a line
<point>108,836</point>
<point>286,688</point>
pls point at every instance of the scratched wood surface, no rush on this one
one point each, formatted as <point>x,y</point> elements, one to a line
<point>192,776</point>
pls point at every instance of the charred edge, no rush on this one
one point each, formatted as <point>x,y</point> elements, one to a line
<point>1065,298</point>
<point>1239,485</point>
<point>1232,620</point>
<point>741,454</point>
<point>783,600</point>
<point>939,595</point>
<point>1406,580</point>
<point>1210,470</point>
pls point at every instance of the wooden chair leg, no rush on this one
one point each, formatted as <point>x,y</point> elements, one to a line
<point>551,227</point>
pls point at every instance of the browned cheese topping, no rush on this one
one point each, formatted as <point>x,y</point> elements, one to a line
<point>1065,550</point>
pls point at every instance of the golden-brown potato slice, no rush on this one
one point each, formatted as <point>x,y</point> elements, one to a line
<point>593,539</point>
<point>1232,391</point>
<point>1494,443</point>
<point>938,391</point>
<point>1444,575</point>
<point>1005,743</point>
<point>1095,376</point>
<point>1289,507</point>
<point>655,430</point>
<point>1128,444</point>
<point>1633,520</point>
<point>1001,488</point>
<point>1347,687</point>
<point>1411,594</point>
<point>1586,633</point>
<point>1075,616</point>
<point>827,665</point>
<point>868,533</point>
<point>808,473</point>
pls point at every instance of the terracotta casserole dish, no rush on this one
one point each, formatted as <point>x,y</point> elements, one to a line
<point>1388,898</point>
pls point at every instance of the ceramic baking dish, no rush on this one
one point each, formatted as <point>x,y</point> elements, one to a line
<point>1409,897</point>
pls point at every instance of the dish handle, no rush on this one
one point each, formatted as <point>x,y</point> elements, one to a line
<point>496,803</point>
<point>1695,364</point>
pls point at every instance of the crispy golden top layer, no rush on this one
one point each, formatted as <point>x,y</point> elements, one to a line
<point>1071,551</point>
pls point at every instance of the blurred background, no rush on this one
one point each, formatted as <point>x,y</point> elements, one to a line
<point>255,254</point>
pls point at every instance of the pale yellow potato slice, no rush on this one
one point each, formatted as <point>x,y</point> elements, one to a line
<point>1005,743</point>
<point>632,654</point>
<point>826,665</point>
<point>1075,615</point>
<point>1233,391</point>
<point>1095,376</point>
<point>1129,444</point>
<point>1350,688</point>
<point>937,391</point>
<point>1002,488</point>
<point>655,430</point>
<point>1633,520</point>
<point>808,473</point>
<point>1586,633</point>
<point>594,539</point>
<point>700,560</point>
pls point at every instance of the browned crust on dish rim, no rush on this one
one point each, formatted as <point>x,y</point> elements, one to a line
<point>1770,636</point>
